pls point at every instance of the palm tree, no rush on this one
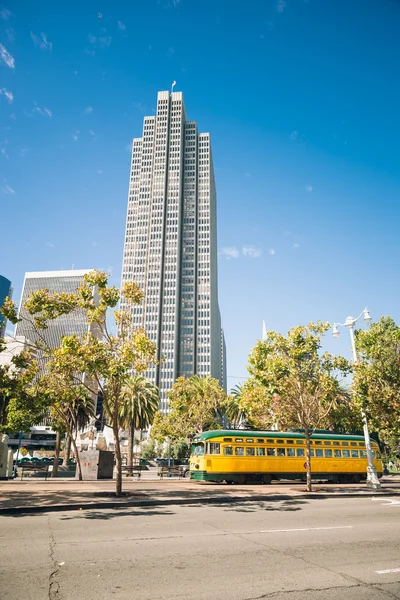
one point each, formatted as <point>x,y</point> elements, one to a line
<point>140,403</point>
<point>234,413</point>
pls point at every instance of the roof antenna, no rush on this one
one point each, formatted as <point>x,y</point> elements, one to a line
<point>173,85</point>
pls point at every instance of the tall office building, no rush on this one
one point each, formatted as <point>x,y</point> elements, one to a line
<point>5,291</point>
<point>54,281</point>
<point>171,245</point>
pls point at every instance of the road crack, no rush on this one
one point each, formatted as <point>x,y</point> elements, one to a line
<point>354,580</point>
<point>54,584</point>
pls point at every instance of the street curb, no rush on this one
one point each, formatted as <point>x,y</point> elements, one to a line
<point>188,501</point>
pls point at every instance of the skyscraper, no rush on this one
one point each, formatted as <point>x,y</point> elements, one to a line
<point>5,291</point>
<point>54,281</point>
<point>170,245</point>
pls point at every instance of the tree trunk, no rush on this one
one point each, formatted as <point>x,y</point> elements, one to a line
<point>308,458</point>
<point>131,435</point>
<point>117,450</point>
<point>67,449</point>
<point>77,458</point>
<point>57,455</point>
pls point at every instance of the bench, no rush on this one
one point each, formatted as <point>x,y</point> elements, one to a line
<point>134,471</point>
<point>34,466</point>
<point>175,471</point>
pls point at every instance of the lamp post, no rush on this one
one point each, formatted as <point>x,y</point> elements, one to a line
<point>372,477</point>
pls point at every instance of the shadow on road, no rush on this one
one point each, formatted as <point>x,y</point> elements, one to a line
<point>112,513</point>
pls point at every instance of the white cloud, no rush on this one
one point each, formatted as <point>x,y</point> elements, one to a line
<point>94,244</point>
<point>7,190</point>
<point>50,245</point>
<point>247,174</point>
<point>23,151</point>
<point>6,57</point>
<point>42,41</point>
<point>100,42</point>
<point>92,132</point>
<point>99,171</point>
<point>309,188</point>
<point>7,94</point>
<point>280,6</point>
<point>3,152</point>
<point>251,251</point>
<point>271,251</point>
<point>171,50</point>
<point>5,14</point>
<point>294,135</point>
<point>229,252</point>
<point>121,25</point>
<point>75,136</point>
<point>128,148</point>
<point>41,111</point>
<point>296,245</point>
<point>88,110</point>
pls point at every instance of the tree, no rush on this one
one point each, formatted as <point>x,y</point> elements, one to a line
<point>138,407</point>
<point>100,360</point>
<point>300,383</point>
<point>196,404</point>
<point>376,382</point>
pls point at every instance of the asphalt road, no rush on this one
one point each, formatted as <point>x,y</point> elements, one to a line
<point>287,550</point>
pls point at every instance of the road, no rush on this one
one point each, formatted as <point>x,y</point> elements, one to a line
<point>285,550</point>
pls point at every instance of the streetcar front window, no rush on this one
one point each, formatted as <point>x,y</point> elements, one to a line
<point>198,449</point>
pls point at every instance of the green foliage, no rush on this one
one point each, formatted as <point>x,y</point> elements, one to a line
<point>140,400</point>
<point>293,384</point>
<point>180,450</point>
<point>376,381</point>
<point>149,450</point>
<point>78,367</point>
<point>196,404</point>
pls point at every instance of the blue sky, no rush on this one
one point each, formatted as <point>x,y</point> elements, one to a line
<point>301,98</point>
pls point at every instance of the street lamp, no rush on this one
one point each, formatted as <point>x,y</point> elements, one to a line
<point>372,477</point>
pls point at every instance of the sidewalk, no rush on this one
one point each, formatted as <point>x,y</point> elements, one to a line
<point>37,495</point>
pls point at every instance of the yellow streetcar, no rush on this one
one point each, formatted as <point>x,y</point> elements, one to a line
<point>237,456</point>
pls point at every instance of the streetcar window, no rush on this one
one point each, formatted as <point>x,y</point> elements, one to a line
<point>270,441</point>
<point>249,441</point>
<point>336,443</point>
<point>328,453</point>
<point>361,444</point>
<point>318,443</point>
<point>239,451</point>
<point>260,451</point>
<point>280,441</point>
<point>198,450</point>
<point>354,454</point>
<point>291,452</point>
<point>353,443</point>
<point>363,453</point>
<point>319,452</point>
<point>378,454</point>
<point>290,441</point>
<point>215,448</point>
<point>260,441</point>
<point>327,443</point>
<point>271,452</point>
<point>299,441</point>
<point>300,452</point>
<point>227,439</point>
<point>281,451</point>
<point>346,453</point>
<point>250,451</point>
<point>238,439</point>
<point>345,443</point>
<point>228,451</point>
<point>338,453</point>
